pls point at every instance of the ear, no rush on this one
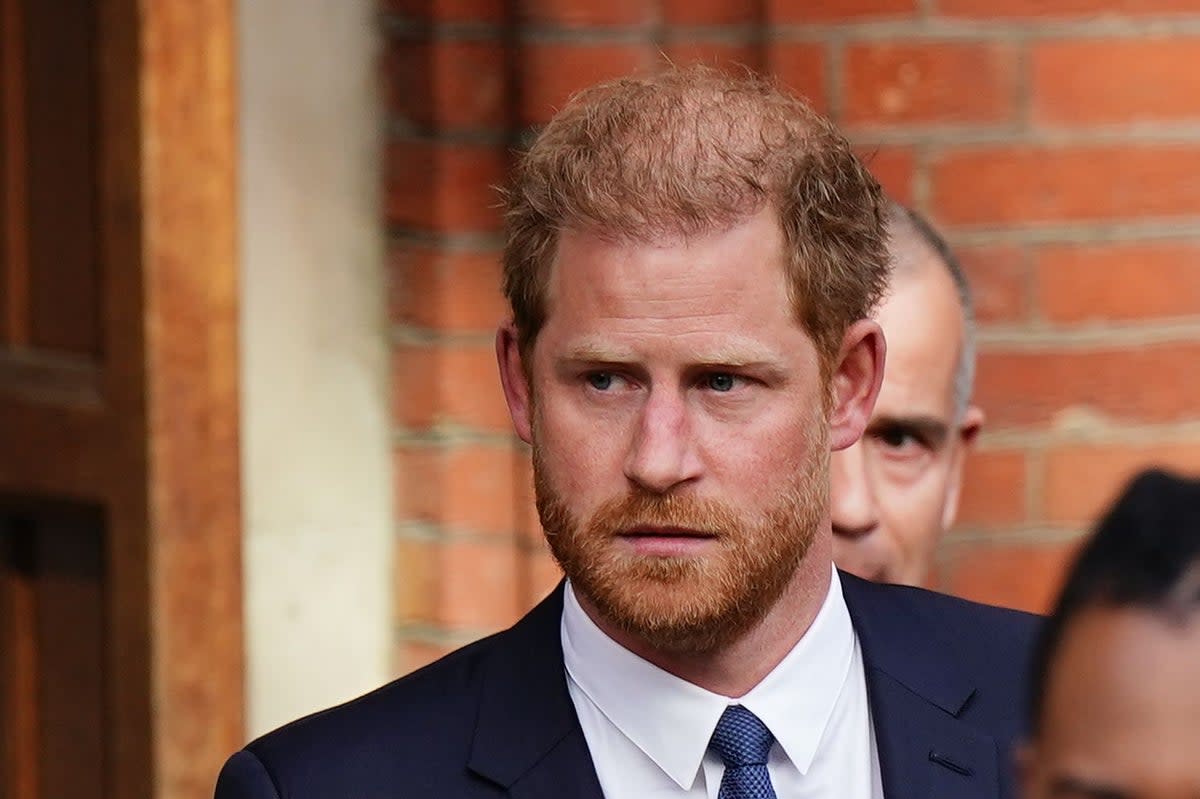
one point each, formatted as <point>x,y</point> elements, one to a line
<point>855,382</point>
<point>972,423</point>
<point>513,379</point>
<point>968,433</point>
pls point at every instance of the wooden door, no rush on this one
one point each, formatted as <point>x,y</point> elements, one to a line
<point>120,588</point>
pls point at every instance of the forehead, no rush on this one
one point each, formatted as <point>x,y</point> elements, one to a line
<point>1123,699</point>
<point>677,303</point>
<point>923,325</point>
<point>688,283</point>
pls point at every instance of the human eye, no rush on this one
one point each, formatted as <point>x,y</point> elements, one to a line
<point>601,381</point>
<point>901,440</point>
<point>721,382</point>
<point>606,381</point>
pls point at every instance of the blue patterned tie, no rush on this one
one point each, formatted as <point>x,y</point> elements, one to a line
<point>743,742</point>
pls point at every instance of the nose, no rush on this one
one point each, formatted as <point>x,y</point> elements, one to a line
<point>663,453</point>
<point>852,505</point>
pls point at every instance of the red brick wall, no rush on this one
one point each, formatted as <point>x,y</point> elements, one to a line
<point>1055,142</point>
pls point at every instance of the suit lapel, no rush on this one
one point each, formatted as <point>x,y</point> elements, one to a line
<point>528,739</point>
<point>565,771</point>
<point>917,694</point>
<point>925,753</point>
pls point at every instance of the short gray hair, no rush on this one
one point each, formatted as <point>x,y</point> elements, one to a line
<point>904,222</point>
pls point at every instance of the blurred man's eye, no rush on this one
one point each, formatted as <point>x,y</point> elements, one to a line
<point>900,438</point>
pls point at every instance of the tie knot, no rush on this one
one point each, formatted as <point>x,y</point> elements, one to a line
<point>741,739</point>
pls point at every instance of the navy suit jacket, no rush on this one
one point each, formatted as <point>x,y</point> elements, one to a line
<point>945,681</point>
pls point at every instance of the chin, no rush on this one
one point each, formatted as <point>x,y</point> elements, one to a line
<point>682,605</point>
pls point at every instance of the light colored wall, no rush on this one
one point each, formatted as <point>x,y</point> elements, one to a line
<point>316,463</point>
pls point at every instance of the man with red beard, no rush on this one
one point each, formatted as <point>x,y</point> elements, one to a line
<point>691,261</point>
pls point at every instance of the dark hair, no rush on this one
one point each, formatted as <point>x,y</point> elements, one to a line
<point>1144,554</point>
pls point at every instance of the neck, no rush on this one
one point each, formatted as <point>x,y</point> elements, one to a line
<point>737,668</point>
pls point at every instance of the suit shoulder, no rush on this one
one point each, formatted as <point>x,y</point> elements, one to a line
<point>966,610</point>
<point>993,645</point>
<point>371,735</point>
<point>968,620</point>
<point>982,638</point>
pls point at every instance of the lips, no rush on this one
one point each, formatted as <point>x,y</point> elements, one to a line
<point>650,531</point>
<point>667,542</point>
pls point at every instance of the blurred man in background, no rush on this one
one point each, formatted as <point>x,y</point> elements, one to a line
<point>1115,709</point>
<point>895,492</point>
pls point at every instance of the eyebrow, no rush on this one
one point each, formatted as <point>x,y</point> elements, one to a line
<point>737,354</point>
<point>1078,788</point>
<point>929,427</point>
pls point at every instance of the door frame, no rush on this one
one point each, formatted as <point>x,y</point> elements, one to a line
<point>149,431</point>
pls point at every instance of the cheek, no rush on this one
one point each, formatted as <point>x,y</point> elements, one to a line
<point>913,511</point>
<point>582,456</point>
<point>762,459</point>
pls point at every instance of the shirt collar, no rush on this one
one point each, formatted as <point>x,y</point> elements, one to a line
<point>672,720</point>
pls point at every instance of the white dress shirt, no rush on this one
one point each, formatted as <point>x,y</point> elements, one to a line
<point>648,730</point>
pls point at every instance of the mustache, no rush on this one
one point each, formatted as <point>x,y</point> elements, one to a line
<point>641,509</point>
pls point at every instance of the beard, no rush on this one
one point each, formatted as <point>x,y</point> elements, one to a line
<point>687,604</point>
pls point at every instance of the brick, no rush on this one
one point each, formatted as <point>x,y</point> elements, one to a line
<point>544,575</point>
<point>1098,81</point>
<point>443,187</point>
<point>994,489</point>
<point>1040,184</point>
<point>419,474</point>
<point>1010,9</point>
<point>719,54</point>
<point>801,66</point>
<point>796,11</point>
<point>471,391</point>
<point>447,291</point>
<point>464,488</point>
<point>416,578</point>
<point>1082,481</point>
<point>416,403</point>
<point>448,10</point>
<point>478,492</point>
<point>448,85</point>
<point>480,585</point>
<point>708,12</point>
<point>1000,282</point>
<point>552,71</point>
<point>455,385</point>
<point>1119,282</point>
<point>1022,576</point>
<point>1157,383</point>
<point>894,168</point>
<point>571,13</point>
<point>889,83</point>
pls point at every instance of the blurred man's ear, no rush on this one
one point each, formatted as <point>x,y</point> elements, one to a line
<point>972,423</point>
<point>515,381</point>
<point>855,382</point>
